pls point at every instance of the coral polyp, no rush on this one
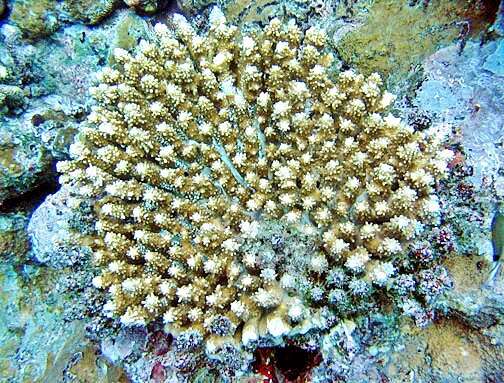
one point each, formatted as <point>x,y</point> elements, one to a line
<point>243,188</point>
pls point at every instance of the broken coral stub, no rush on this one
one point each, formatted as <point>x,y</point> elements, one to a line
<point>243,189</point>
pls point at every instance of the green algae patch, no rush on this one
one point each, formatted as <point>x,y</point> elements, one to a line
<point>395,37</point>
<point>8,161</point>
<point>129,28</point>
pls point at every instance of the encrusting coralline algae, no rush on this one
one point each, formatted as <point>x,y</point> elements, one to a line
<point>242,190</point>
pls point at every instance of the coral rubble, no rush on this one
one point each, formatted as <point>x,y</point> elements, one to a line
<point>242,189</point>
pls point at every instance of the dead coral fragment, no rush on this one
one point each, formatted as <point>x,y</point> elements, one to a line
<point>200,143</point>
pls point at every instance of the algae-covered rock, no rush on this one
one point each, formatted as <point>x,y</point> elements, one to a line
<point>36,19</point>
<point>3,7</point>
<point>245,13</point>
<point>128,29</point>
<point>11,98</point>
<point>39,341</point>
<point>24,163</point>
<point>89,367</point>
<point>44,95</point>
<point>472,300</point>
<point>31,327</point>
<point>49,232</point>
<point>13,238</point>
<point>397,35</point>
<point>453,353</point>
<point>447,351</point>
<point>90,11</point>
<point>143,6</point>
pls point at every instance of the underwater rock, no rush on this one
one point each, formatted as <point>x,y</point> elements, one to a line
<point>495,62</point>
<point>335,17</point>
<point>13,238</point>
<point>90,12</point>
<point>447,351</point>
<point>49,232</point>
<point>3,7</point>
<point>128,29</point>
<point>499,22</point>
<point>35,344</point>
<point>471,300</point>
<point>129,341</point>
<point>454,354</point>
<point>394,36</point>
<point>24,163</point>
<point>11,98</point>
<point>143,6</point>
<point>55,75</point>
<point>35,19</point>
<point>464,90</point>
<point>43,98</point>
<point>89,366</point>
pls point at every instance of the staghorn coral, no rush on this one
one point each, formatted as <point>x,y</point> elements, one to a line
<point>242,189</point>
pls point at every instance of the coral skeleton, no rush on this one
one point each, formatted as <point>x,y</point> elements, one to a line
<point>240,184</point>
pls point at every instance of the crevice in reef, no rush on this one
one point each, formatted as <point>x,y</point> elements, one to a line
<point>293,364</point>
<point>31,199</point>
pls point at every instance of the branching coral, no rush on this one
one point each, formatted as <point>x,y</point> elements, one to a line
<point>243,189</point>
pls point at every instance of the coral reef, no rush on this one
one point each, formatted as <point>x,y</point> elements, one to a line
<point>52,323</point>
<point>241,189</point>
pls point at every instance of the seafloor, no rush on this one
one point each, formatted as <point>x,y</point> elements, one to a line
<point>444,61</point>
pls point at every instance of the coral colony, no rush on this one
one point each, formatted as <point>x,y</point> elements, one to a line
<point>244,189</point>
